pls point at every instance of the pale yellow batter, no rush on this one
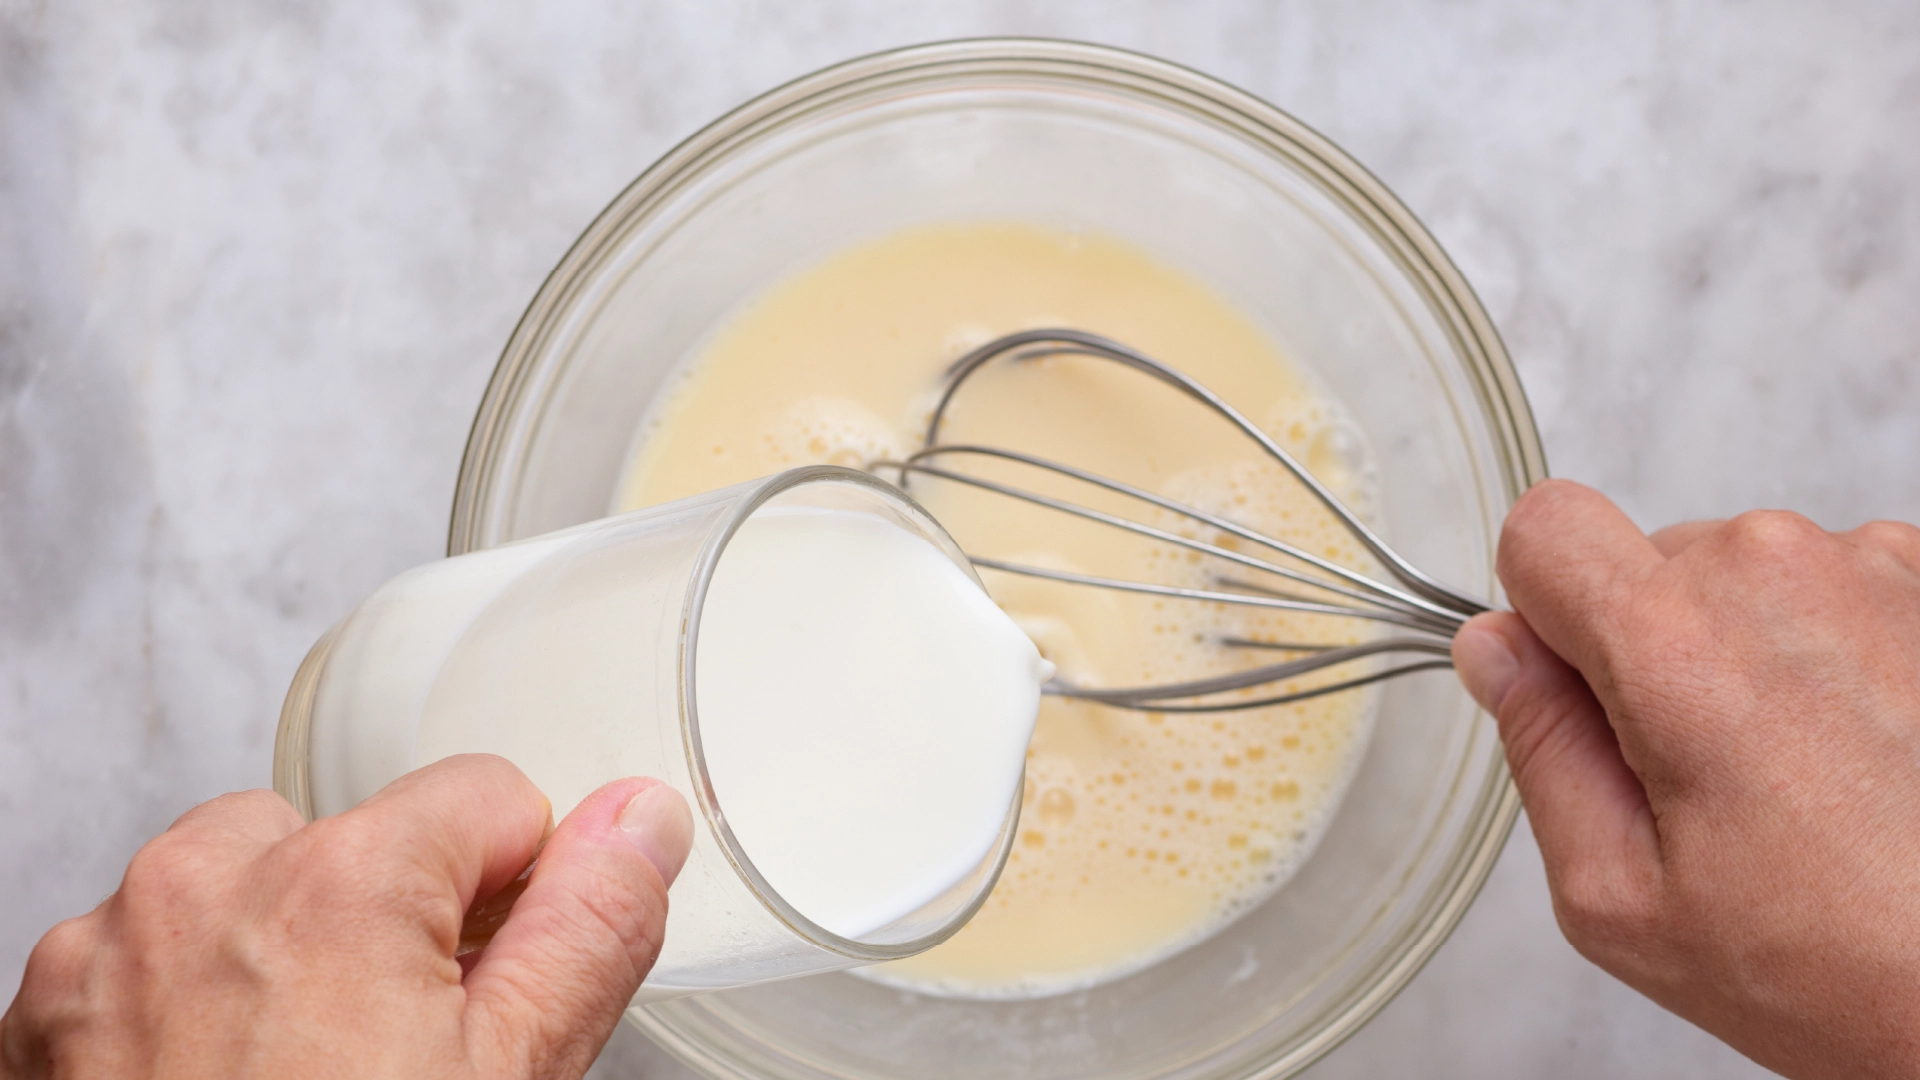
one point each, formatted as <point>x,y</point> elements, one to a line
<point>1141,832</point>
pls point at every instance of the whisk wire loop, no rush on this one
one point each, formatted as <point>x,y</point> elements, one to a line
<point>1413,602</point>
<point>1368,591</point>
<point>1065,341</point>
<point>1271,602</point>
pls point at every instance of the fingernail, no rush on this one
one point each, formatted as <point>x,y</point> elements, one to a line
<point>658,822</point>
<point>1486,664</point>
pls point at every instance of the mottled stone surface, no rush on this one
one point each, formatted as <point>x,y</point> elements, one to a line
<point>256,262</point>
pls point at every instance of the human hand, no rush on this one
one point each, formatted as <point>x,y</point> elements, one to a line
<point>1723,772</point>
<point>243,943</point>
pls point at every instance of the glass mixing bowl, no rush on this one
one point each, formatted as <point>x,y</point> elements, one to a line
<point>1275,217</point>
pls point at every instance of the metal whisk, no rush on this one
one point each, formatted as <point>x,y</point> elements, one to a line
<point>1424,612</point>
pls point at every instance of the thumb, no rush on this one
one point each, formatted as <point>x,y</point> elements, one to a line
<point>545,995</point>
<point>1588,808</point>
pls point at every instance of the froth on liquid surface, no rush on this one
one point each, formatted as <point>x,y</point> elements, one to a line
<point>1141,832</point>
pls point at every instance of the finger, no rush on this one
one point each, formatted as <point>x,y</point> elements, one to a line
<point>259,816</point>
<point>547,992</point>
<point>1588,809</point>
<point>1675,539</point>
<point>1568,558</point>
<point>53,998</point>
<point>473,821</point>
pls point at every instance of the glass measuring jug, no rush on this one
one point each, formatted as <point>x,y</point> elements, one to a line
<point>407,677</point>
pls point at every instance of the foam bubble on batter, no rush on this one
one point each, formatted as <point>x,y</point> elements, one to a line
<point>826,430</point>
<point>1332,449</point>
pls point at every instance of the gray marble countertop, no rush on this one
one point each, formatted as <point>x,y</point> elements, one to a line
<point>256,262</point>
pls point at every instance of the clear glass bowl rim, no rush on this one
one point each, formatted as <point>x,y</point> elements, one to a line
<point>1475,343</point>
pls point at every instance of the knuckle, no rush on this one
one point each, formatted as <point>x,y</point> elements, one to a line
<point>63,991</point>
<point>491,763</point>
<point>1533,552</point>
<point>1552,492</point>
<point>338,865</point>
<point>59,962</point>
<point>1896,538</point>
<point>330,857</point>
<point>171,870</point>
<point>348,846</point>
<point>219,804</point>
<point>492,772</point>
<point>1773,535</point>
<point>151,869</point>
<point>1537,507</point>
<point>176,890</point>
<point>1603,912</point>
<point>263,806</point>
